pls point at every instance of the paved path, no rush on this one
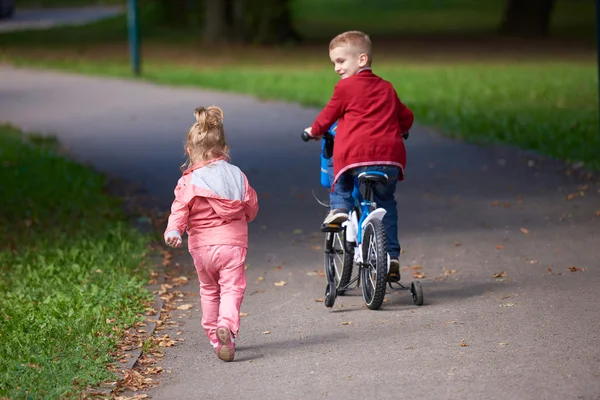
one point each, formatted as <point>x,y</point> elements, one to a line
<point>45,18</point>
<point>533,335</point>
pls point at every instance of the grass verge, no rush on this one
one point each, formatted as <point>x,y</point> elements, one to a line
<point>70,273</point>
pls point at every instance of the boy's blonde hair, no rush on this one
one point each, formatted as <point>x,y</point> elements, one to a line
<point>206,138</point>
<point>357,39</point>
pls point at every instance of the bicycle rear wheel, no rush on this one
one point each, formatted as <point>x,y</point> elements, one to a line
<point>374,268</point>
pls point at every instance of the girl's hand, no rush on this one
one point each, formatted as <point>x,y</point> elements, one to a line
<point>173,239</point>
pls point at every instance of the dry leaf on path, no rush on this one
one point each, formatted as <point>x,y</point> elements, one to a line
<point>267,332</point>
<point>346,323</point>
<point>244,314</point>
<point>463,343</point>
<point>502,344</point>
<point>185,307</point>
<point>319,300</point>
<point>319,247</point>
<point>457,244</point>
<point>278,267</point>
<point>597,213</point>
<point>180,280</point>
<point>499,247</point>
<point>525,231</point>
<point>280,283</point>
<point>500,275</point>
<point>575,269</point>
<point>418,275</point>
<point>507,305</point>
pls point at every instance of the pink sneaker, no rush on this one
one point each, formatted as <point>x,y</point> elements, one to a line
<point>226,345</point>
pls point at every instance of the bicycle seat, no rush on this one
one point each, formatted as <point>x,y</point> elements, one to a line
<point>373,177</point>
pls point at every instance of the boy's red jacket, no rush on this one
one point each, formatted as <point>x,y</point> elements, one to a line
<point>372,120</point>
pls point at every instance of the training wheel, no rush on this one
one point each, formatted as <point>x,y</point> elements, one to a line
<point>330,293</point>
<point>416,292</point>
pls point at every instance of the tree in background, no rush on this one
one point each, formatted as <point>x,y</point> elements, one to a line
<point>527,17</point>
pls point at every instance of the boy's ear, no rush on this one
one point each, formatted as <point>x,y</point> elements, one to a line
<point>363,60</point>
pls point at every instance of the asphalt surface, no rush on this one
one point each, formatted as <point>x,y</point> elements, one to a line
<point>466,213</point>
<point>44,18</point>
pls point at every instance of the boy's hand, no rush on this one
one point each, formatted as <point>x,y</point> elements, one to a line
<point>310,135</point>
<point>173,239</point>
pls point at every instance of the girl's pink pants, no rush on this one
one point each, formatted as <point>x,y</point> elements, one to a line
<point>222,279</point>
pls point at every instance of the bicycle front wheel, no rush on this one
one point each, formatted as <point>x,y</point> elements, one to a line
<point>374,268</point>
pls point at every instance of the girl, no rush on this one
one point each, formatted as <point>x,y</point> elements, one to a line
<point>214,201</point>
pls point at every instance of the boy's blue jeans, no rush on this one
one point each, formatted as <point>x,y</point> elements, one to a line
<point>341,197</point>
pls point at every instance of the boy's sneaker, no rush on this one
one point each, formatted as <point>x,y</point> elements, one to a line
<point>394,274</point>
<point>225,345</point>
<point>336,216</point>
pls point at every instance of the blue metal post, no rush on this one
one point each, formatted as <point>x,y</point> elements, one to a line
<point>134,35</point>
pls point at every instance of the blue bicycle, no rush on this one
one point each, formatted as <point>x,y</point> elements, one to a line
<point>361,240</point>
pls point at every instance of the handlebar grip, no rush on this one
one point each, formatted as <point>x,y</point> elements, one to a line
<point>305,136</point>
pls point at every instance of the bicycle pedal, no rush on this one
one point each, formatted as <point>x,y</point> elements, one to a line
<point>331,228</point>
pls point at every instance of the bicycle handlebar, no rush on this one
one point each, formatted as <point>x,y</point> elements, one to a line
<point>305,136</point>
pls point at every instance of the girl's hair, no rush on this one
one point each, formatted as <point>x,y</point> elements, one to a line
<point>206,138</point>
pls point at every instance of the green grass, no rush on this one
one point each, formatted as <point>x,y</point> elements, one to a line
<point>69,264</point>
<point>549,107</point>
<point>323,18</point>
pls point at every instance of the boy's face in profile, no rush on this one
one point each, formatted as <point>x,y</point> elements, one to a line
<point>347,60</point>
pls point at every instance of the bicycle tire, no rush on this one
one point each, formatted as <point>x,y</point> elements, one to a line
<point>342,259</point>
<point>374,261</point>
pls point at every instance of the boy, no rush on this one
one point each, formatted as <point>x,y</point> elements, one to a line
<point>372,122</point>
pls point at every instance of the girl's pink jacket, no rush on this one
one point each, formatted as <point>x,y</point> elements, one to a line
<point>214,201</point>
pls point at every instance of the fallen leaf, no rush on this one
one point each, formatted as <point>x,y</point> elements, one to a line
<point>319,300</point>
<point>418,275</point>
<point>457,244</point>
<point>500,275</point>
<point>533,261</point>
<point>260,278</point>
<point>597,213</point>
<point>280,283</point>
<point>312,273</point>
<point>507,305</point>
<point>525,231</point>
<point>267,332</point>
<point>181,280</point>
<point>499,247</point>
<point>575,269</point>
<point>416,267</point>
<point>346,323</point>
<point>245,268</point>
<point>463,343</point>
<point>319,247</point>
<point>449,271</point>
<point>185,307</point>
<point>244,314</point>
<point>278,267</point>
<point>450,322</point>
<point>573,196</point>
<point>502,344</point>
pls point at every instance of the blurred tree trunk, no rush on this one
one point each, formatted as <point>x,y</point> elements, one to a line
<point>527,17</point>
<point>273,22</point>
<point>248,21</point>
<point>215,21</point>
